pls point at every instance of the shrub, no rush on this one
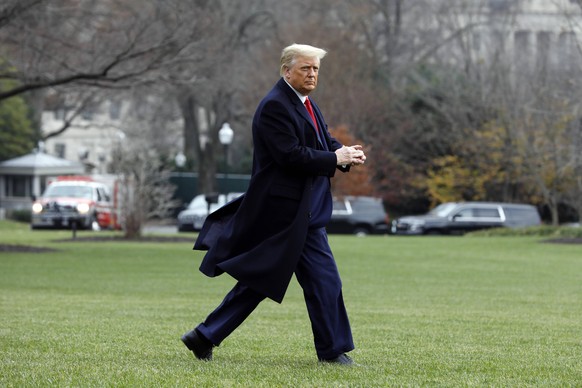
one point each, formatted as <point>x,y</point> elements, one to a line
<point>20,215</point>
<point>541,231</point>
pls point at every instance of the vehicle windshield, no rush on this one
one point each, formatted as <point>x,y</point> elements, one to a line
<point>442,210</point>
<point>199,201</point>
<point>68,191</point>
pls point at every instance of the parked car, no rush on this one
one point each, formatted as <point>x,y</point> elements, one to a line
<point>463,217</point>
<point>192,218</point>
<point>358,215</point>
<point>72,201</point>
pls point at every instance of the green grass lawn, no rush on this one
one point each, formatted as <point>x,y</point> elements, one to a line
<point>425,311</point>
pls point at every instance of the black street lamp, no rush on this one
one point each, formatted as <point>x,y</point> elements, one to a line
<point>225,135</point>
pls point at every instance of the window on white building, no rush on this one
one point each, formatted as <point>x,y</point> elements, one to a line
<point>543,50</point>
<point>522,52</point>
<point>567,50</point>
<point>60,150</point>
<point>59,114</point>
<point>500,5</point>
<point>114,110</point>
<point>18,186</point>
<point>87,114</point>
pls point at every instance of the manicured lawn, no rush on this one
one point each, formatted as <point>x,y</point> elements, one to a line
<point>426,311</point>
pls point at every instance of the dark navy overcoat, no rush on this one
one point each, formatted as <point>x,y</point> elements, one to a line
<point>258,238</point>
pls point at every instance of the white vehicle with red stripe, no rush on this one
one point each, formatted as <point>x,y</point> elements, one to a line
<point>74,202</point>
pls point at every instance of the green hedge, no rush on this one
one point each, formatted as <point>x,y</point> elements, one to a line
<point>542,231</point>
<point>20,215</point>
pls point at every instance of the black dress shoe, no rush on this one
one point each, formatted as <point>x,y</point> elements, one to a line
<point>200,346</point>
<point>342,359</point>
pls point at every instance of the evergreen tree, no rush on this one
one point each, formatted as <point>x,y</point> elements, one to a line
<point>16,131</point>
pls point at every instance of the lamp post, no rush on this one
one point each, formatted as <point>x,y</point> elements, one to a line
<point>225,135</point>
<point>102,158</point>
<point>180,160</point>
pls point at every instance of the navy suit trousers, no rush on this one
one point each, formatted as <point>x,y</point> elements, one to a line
<point>318,275</point>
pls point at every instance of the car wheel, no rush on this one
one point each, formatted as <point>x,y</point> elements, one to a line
<point>93,224</point>
<point>361,231</point>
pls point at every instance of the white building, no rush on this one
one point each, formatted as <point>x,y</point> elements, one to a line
<point>92,136</point>
<point>536,32</point>
<point>25,177</point>
<point>89,138</point>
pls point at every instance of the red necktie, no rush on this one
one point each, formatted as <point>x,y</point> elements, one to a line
<point>310,110</point>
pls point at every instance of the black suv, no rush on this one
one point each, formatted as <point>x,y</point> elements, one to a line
<point>358,215</point>
<point>462,217</point>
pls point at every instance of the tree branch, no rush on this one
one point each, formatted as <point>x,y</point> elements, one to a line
<point>10,13</point>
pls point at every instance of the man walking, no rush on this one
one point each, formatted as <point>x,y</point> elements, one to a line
<point>278,227</point>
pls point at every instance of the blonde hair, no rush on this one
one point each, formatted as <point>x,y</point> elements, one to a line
<point>290,53</point>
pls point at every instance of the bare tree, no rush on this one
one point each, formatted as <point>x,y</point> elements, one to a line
<point>84,49</point>
<point>144,184</point>
<point>111,44</point>
<point>214,96</point>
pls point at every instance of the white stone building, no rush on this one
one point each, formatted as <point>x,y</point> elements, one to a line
<point>90,137</point>
<point>535,32</point>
